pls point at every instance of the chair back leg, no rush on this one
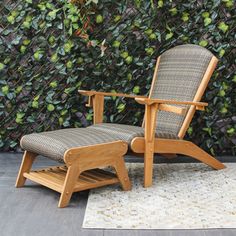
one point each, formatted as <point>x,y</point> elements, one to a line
<point>71,177</point>
<point>196,152</point>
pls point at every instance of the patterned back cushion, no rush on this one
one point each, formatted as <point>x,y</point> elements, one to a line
<point>180,73</point>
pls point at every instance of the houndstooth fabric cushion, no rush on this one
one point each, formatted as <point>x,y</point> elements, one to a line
<point>180,73</point>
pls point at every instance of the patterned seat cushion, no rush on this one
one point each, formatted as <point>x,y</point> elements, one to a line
<point>53,144</point>
<point>180,73</point>
<point>127,132</point>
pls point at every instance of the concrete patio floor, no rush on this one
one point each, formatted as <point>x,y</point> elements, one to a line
<point>32,210</point>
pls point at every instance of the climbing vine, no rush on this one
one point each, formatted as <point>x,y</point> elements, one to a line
<point>50,49</point>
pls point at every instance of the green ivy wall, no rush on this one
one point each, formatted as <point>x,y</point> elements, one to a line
<point>43,63</point>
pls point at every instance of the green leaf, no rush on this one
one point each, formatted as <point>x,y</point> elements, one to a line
<point>223,27</point>
<point>136,89</point>
<point>99,19</point>
<point>38,55</point>
<point>207,21</point>
<point>231,131</point>
<point>205,14</point>
<point>11,19</point>
<point>60,120</point>
<point>69,64</point>
<point>19,89</point>
<point>54,57</point>
<point>53,84</point>
<point>129,76</point>
<point>22,49</point>
<point>2,66</point>
<point>223,110</point>
<point>173,11</point>
<point>148,32</point>
<point>121,107</point>
<point>203,43</point>
<point>53,14</point>
<point>5,89</point>
<point>160,3</point>
<point>152,36</point>
<point>19,117</point>
<point>124,54</point>
<point>221,53</point>
<point>116,44</point>
<point>169,35</point>
<point>35,104</point>
<point>149,51</point>
<point>221,93</point>
<point>50,107</point>
<point>185,16</point>
<point>129,59</point>
<point>117,18</point>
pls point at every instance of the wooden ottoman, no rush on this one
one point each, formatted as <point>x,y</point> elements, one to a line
<point>81,168</point>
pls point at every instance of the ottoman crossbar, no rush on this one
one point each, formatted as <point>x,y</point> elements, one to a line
<point>80,171</point>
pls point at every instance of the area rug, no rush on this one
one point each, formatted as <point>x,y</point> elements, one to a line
<point>183,196</point>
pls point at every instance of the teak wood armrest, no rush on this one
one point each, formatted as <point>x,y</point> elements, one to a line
<point>164,104</point>
<point>109,94</point>
<point>96,100</point>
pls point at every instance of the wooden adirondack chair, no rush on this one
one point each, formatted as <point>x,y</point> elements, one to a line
<point>180,79</point>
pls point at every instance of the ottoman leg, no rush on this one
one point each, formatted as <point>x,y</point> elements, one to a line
<point>26,165</point>
<point>69,184</point>
<point>122,173</point>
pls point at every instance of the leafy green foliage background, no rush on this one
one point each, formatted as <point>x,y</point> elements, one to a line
<point>43,63</point>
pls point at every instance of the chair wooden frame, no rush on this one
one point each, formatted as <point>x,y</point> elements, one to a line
<point>149,144</point>
<point>81,171</point>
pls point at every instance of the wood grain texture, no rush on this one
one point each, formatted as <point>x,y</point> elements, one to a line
<point>98,108</point>
<point>177,146</point>
<point>170,108</point>
<point>79,173</point>
<point>148,101</point>
<point>122,174</point>
<point>25,167</point>
<point>109,94</point>
<point>149,137</point>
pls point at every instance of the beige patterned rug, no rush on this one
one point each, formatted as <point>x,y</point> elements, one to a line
<point>183,196</point>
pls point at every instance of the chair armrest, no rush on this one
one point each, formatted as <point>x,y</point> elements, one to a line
<point>96,100</point>
<point>148,101</point>
<point>108,94</point>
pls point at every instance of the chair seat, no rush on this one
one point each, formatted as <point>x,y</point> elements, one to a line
<point>53,144</point>
<point>128,132</point>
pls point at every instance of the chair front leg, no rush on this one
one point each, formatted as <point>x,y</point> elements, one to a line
<point>150,126</point>
<point>148,165</point>
<point>25,167</point>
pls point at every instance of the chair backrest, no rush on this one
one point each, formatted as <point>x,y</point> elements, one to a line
<point>182,74</point>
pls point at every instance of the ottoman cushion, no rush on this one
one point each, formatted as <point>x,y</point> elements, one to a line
<point>54,144</point>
